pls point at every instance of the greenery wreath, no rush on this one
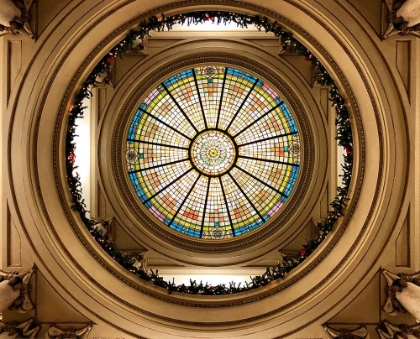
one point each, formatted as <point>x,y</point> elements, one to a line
<point>290,44</point>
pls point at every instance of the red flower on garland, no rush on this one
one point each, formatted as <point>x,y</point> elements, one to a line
<point>72,158</point>
<point>108,60</point>
<point>302,252</point>
<point>208,17</point>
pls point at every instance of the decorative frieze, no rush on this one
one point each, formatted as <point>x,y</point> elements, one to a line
<point>69,333</point>
<point>26,329</point>
<point>358,333</point>
<point>386,330</point>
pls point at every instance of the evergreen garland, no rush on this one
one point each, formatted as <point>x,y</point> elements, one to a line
<point>290,44</point>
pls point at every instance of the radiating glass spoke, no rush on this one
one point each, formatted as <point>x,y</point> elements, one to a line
<point>199,99</point>
<point>167,125</point>
<point>242,105</point>
<point>157,166</point>
<point>168,185</point>
<point>156,144</point>
<point>179,107</point>
<point>255,121</point>
<point>185,199</point>
<point>269,160</point>
<point>227,206</point>
<point>265,139</point>
<point>247,198</point>
<point>221,98</point>
<point>262,182</point>
<point>205,207</point>
<point>278,121</point>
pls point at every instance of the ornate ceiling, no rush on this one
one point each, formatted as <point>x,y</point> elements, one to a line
<point>211,153</point>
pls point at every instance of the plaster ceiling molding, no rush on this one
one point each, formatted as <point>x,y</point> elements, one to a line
<point>387,330</point>
<point>14,291</point>
<point>404,17</point>
<point>70,333</point>
<point>15,17</point>
<point>403,294</point>
<point>358,333</point>
<point>26,329</point>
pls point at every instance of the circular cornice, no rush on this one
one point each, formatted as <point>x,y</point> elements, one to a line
<point>118,275</point>
<point>130,199</point>
<point>264,293</point>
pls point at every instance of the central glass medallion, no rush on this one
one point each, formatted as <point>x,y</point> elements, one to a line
<point>213,153</point>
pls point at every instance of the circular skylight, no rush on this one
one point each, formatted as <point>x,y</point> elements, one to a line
<point>213,152</point>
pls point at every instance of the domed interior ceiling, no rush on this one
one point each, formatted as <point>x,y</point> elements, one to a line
<point>210,146</point>
<point>315,262</point>
<point>213,152</point>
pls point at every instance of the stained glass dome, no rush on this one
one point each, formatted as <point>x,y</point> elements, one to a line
<point>213,152</point>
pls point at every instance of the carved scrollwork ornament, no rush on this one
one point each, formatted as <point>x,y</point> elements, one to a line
<point>358,333</point>
<point>403,294</point>
<point>26,329</point>
<point>68,333</point>
<point>15,17</point>
<point>386,330</point>
<point>404,17</point>
<point>14,291</point>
